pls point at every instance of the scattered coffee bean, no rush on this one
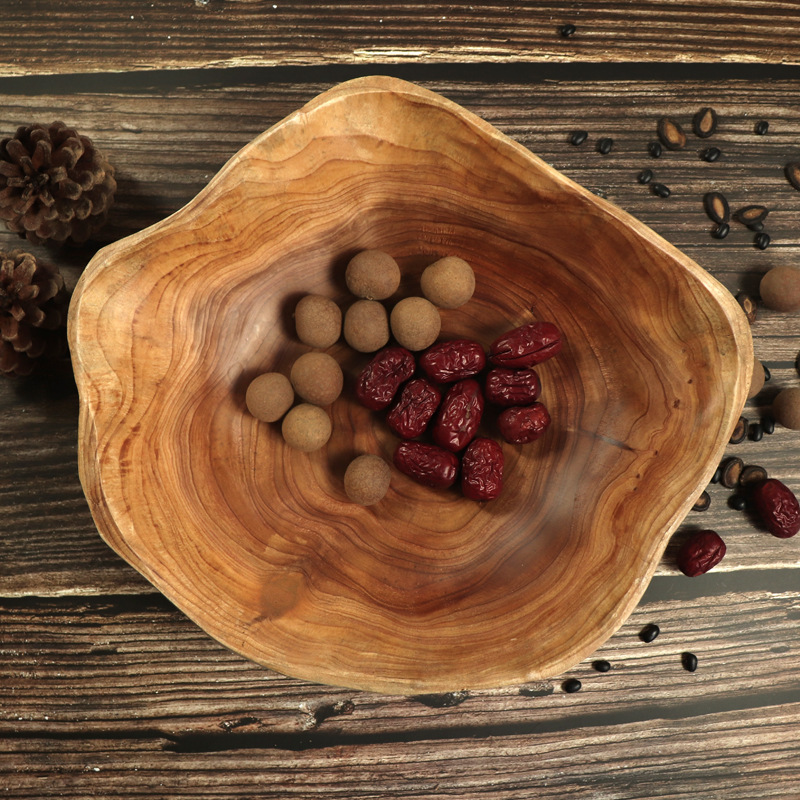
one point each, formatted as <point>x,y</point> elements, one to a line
<point>751,475</point>
<point>739,432</point>
<point>655,150</point>
<point>601,665</point>
<point>578,137</point>
<point>767,373</point>
<point>704,122</point>
<point>689,661</point>
<point>768,425</point>
<point>604,145</point>
<point>737,502</point>
<point>661,190</point>
<point>649,632</point>
<point>702,502</point>
<point>571,685</point>
<point>762,126</point>
<point>756,432</point>
<point>716,206</point>
<point>671,134</point>
<point>752,215</point>
<point>711,154</point>
<point>645,176</point>
<point>731,470</point>
<point>567,30</point>
<point>717,476</point>
<point>721,231</point>
<point>749,306</point>
<point>792,172</point>
<point>762,240</point>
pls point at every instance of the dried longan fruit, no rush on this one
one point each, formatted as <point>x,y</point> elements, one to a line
<point>757,380</point>
<point>786,408</point>
<point>448,282</point>
<point>269,396</point>
<point>373,275</point>
<point>780,289</point>
<point>366,326</point>
<point>415,323</point>
<point>366,479</point>
<point>317,378</point>
<point>306,428</point>
<point>318,321</point>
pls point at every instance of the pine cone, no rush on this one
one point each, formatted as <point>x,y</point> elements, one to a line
<point>54,184</point>
<point>33,312</point>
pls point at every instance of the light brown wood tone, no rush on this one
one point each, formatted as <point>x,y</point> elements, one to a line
<point>49,36</point>
<point>257,543</point>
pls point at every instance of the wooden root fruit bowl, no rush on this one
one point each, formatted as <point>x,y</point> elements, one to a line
<point>426,591</point>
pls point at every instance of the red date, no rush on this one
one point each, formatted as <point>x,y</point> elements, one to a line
<point>482,470</point>
<point>778,508</point>
<point>381,378</point>
<point>525,346</point>
<point>523,425</point>
<point>453,361</point>
<point>427,464</point>
<point>512,387</point>
<point>459,416</point>
<point>702,551</point>
<point>415,408</point>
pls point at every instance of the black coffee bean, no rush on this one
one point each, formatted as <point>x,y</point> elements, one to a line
<point>737,502</point>
<point>711,154</point>
<point>655,149</point>
<point>601,665</point>
<point>703,502</point>
<point>689,661</point>
<point>571,685</point>
<point>762,240</point>
<point>767,373</point>
<point>740,431</point>
<point>751,475</point>
<point>756,432</point>
<point>645,176</point>
<point>567,30</point>
<point>721,231</point>
<point>768,425</point>
<point>578,137</point>
<point>604,145</point>
<point>762,126</point>
<point>731,470</point>
<point>717,476</point>
<point>649,633</point>
<point>661,190</point>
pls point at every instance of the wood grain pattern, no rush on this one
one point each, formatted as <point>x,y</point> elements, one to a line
<point>173,34</point>
<point>257,543</point>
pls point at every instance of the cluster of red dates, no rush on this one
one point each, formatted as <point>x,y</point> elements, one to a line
<point>453,417</point>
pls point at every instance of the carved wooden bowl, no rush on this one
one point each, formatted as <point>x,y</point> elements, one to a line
<point>426,591</point>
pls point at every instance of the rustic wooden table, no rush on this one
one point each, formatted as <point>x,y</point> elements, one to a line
<point>109,691</point>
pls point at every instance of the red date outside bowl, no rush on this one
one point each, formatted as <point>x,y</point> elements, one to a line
<point>700,553</point>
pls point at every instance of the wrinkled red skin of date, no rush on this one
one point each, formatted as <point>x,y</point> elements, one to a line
<point>459,415</point>
<point>453,361</point>
<point>527,345</point>
<point>512,387</point>
<point>427,464</point>
<point>415,409</point>
<point>382,377</point>
<point>523,425</point>
<point>778,508</point>
<point>700,553</point>
<point>482,470</point>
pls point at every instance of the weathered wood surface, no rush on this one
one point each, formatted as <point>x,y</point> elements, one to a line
<point>46,36</point>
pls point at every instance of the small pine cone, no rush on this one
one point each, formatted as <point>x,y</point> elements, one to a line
<point>33,312</point>
<point>54,184</point>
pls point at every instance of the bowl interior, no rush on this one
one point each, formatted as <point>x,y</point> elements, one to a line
<point>425,591</point>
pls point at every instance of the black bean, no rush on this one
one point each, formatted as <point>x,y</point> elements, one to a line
<point>655,149</point>
<point>711,154</point>
<point>737,502</point>
<point>762,240</point>
<point>717,476</point>
<point>645,176</point>
<point>739,432</point>
<point>567,30</point>
<point>768,425</point>
<point>661,190</point>
<point>604,145</point>
<point>649,632</point>
<point>756,227</point>
<point>601,665</point>
<point>578,137</point>
<point>689,661</point>
<point>762,126</point>
<point>571,685</point>
<point>767,373</point>
<point>756,432</point>
<point>721,231</point>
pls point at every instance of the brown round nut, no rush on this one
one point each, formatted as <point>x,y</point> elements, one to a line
<point>373,275</point>
<point>318,321</point>
<point>786,408</point>
<point>317,378</point>
<point>780,289</point>
<point>306,428</point>
<point>415,323</point>
<point>448,282</point>
<point>757,380</point>
<point>269,396</point>
<point>366,326</point>
<point>366,479</point>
